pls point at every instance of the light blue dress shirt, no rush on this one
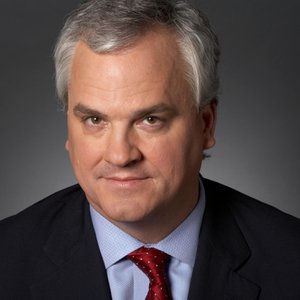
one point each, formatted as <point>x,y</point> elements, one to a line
<point>126,280</point>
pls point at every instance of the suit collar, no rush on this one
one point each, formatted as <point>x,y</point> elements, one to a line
<point>222,251</point>
<point>71,267</point>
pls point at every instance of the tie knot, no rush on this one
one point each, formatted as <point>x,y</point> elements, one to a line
<point>153,263</point>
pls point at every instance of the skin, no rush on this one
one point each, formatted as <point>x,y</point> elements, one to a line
<point>135,137</point>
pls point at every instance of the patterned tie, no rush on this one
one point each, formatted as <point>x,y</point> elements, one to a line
<point>153,263</point>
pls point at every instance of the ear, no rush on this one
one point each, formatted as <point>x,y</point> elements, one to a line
<point>67,145</point>
<point>209,115</point>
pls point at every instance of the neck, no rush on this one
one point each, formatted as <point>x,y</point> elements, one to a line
<point>159,225</point>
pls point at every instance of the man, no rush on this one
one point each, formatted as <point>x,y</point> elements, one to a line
<point>139,84</point>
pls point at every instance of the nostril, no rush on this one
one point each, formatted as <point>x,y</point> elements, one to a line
<point>122,147</point>
<point>134,162</point>
<point>123,156</point>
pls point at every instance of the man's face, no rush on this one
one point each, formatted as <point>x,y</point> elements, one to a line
<point>135,138</point>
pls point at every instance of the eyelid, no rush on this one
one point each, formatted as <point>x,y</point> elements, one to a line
<point>87,120</point>
<point>84,115</point>
<point>155,117</point>
<point>158,121</point>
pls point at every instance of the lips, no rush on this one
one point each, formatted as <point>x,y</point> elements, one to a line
<point>130,178</point>
<point>125,181</point>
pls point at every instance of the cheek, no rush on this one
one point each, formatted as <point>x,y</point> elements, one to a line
<point>167,155</point>
<point>84,153</point>
<point>178,153</point>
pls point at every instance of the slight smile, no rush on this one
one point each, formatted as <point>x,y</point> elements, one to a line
<point>125,182</point>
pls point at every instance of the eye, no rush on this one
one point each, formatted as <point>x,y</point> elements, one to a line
<point>151,120</point>
<point>92,120</point>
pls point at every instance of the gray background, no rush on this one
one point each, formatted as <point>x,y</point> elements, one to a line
<point>259,113</point>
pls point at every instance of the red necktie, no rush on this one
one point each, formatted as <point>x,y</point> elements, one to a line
<point>153,263</point>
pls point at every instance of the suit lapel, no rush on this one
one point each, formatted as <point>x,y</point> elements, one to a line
<point>71,267</point>
<point>221,252</point>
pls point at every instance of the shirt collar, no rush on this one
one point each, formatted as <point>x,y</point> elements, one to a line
<point>115,244</point>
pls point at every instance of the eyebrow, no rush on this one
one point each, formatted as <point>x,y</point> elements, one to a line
<point>81,109</point>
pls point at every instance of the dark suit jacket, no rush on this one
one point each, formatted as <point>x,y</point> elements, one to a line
<point>247,250</point>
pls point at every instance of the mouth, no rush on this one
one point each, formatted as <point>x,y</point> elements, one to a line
<point>125,182</point>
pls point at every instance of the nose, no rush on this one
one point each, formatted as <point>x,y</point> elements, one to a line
<point>122,149</point>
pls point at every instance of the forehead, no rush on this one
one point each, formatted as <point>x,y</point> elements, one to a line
<point>152,66</point>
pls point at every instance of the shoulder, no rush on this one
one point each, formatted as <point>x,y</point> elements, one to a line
<point>47,205</point>
<point>238,202</point>
<point>273,236</point>
<point>252,215</point>
<point>27,238</point>
<point>272,239</point>
<point>36,220</point>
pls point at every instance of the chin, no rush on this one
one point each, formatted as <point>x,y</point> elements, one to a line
<point>125,210</point>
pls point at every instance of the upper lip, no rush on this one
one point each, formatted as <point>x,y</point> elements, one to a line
<point>125,178</point>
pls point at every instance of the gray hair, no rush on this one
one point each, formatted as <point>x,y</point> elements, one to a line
<point>112,25</point>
